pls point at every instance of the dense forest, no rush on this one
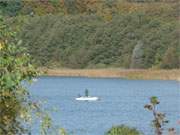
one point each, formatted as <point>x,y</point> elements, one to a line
<point>97,33</point>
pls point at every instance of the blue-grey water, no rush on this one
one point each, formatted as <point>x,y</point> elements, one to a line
<point>122,102</point>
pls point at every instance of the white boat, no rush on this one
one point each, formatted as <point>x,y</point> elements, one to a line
<point>89,98</point>
<point>86,97</point>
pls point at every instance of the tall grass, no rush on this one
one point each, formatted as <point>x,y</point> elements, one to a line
<point>119,73</point>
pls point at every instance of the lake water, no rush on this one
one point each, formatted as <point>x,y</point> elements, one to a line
<point>122,102</point>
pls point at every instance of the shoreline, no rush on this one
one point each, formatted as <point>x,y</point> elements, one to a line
<point>144,74</point>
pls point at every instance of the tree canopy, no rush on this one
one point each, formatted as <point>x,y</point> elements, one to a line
<point>98,34</point>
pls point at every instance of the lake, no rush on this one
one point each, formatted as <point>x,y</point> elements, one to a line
<point>122,102</point>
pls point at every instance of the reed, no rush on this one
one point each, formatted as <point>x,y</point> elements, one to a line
<point>146,74</point>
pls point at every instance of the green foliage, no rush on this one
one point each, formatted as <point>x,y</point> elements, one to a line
<point>17,110</point>
<point>123,130</point>
<point>98,34</point>
<point>10,8</point>
<point>89,41</point>
<point>62,131</point>
<point>171,58</point>
<point>14,68</point>
<point>159,118</point>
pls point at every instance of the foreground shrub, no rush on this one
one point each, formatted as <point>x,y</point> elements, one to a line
<point>18,111</point>
<point>123,130</point>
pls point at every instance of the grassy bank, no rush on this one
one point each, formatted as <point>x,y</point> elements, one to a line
<point>118,73</point>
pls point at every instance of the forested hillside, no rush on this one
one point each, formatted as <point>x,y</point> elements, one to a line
<point>98,34</point>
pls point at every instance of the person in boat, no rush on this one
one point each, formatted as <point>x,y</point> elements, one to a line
<point>86,93</point>
<point>79,95</point>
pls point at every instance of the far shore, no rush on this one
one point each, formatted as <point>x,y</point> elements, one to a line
<point>145,74</point>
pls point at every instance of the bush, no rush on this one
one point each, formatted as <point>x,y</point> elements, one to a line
<point>17,109</point>
<point>123,130</point>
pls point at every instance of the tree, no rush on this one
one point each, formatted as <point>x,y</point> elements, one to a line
<point>11,8</point>
<point>17,109</point>
<point>171,59</point>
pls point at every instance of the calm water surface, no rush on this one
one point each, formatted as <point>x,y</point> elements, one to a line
<point>122,102</point>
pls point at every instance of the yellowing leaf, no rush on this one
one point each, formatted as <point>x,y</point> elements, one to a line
<point>1,45</point>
